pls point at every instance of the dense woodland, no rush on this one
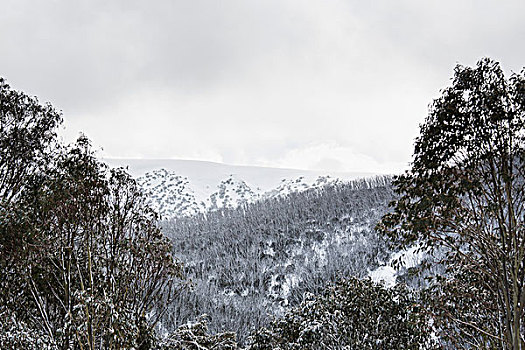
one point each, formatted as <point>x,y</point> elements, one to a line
<point>250,263</point>
<point>85,263</point>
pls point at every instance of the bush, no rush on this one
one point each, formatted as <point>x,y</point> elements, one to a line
<point>352,314</point>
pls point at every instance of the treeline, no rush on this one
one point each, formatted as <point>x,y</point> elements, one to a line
<point>248,264</point>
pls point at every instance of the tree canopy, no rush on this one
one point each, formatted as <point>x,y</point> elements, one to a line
<point>463,200</point>
<point>350,314</point>
<point>83,264</point>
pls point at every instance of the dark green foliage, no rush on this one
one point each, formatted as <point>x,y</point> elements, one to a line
<point>103,264</point>
<point>460,304</point>
<point>82,261</point>
<point>27,138</point>
<point>249,264</point>
<point>463,201</point>
<point>352,314</point>
<point>16,334</point>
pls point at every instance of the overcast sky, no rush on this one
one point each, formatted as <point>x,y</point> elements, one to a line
<point>325,85</point>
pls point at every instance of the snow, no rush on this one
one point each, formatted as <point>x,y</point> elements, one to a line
<point>203,175</point>
<point>387,275</point>
<point>185,187</point>
<point>384,274</point>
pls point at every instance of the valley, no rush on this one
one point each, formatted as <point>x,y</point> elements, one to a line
<point>255,241</point>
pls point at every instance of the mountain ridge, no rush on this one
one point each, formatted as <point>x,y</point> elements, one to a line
<point>177,188</point>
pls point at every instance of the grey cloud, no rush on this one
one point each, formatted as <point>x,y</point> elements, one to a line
<point>251,81</point>
<point>83,54</point>
<point>441,33</point>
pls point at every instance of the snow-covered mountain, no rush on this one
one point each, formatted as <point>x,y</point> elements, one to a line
<point>185,187</point>
<point>253,262</point>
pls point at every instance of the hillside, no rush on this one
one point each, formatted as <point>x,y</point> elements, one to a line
<point>250,263</point>
<point>177,188</point>
<point>254,240</point>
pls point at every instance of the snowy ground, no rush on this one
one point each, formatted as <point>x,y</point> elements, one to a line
<point>388,275</point>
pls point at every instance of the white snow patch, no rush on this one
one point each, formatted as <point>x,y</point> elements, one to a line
<point>384,274</point>
<point>387,274</point>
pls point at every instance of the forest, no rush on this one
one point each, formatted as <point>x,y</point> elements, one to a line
<point>252,262</point>
<point>85,263</point>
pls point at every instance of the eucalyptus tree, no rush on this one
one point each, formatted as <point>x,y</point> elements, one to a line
<point>27,140</point>
<point>83,264</point>
<point>464,200</point>
<point>105,271</point>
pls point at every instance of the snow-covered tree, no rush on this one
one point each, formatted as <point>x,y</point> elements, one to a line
<point>352,314</point>
<point>252,262</point>
<point>195,336</point>
<point>83,264</point>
